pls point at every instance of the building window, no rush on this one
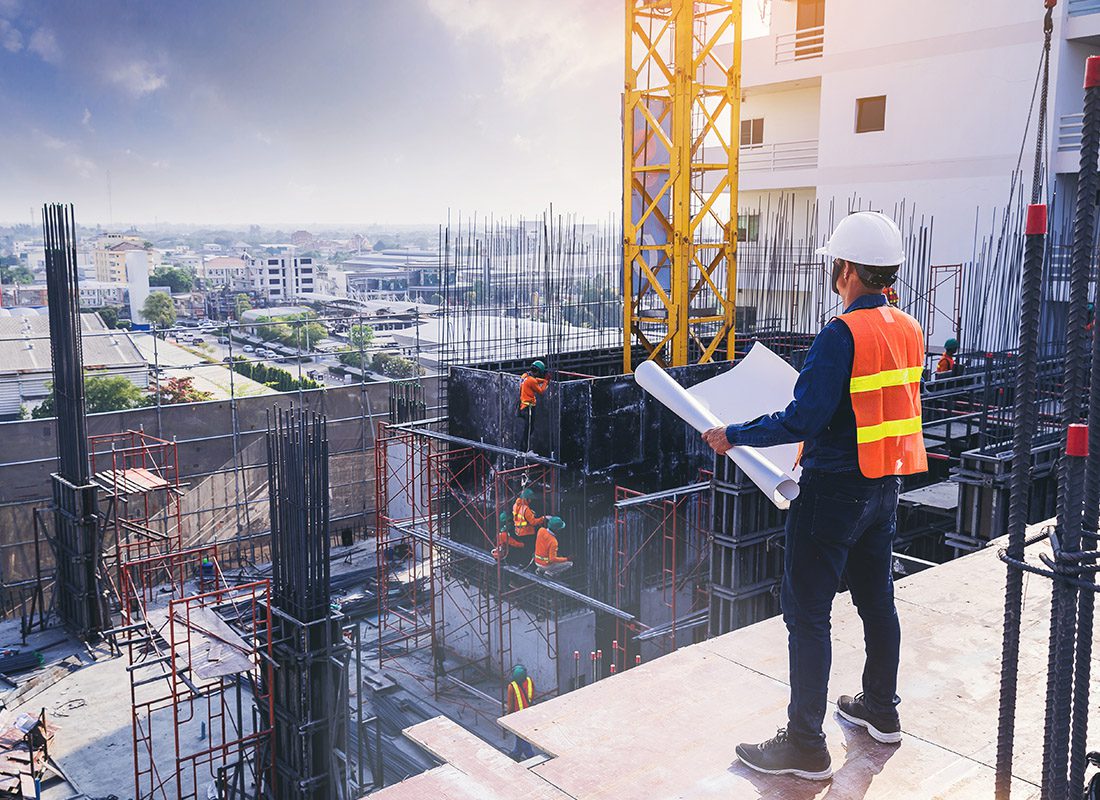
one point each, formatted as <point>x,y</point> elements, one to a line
<point>273,261</point>
<point>748,227</point>
<point>871,114</point>
<point>752,131</point>
<point>273,272</point>
<point>307,260</point>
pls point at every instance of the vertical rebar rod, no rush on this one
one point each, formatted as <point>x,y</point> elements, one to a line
<point>1026,421</point>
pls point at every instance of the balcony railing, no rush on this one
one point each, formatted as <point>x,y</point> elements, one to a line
<point>1069,132</point>
<point>779,156</point>
<point>801,45</point>
<point>1077,7</point>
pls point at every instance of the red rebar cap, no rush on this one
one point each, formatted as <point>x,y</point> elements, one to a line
<point>1092,72</point>
<point>1036,219</point>
<point>1077,441</point>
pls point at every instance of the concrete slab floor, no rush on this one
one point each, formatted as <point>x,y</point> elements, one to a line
<point>667,729</point>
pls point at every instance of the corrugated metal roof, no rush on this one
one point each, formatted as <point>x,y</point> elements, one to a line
<point>25,345</point>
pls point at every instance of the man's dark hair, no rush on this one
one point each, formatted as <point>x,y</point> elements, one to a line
<point>876,277</point>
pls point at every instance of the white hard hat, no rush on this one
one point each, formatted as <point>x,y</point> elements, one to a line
<point>868,238</point>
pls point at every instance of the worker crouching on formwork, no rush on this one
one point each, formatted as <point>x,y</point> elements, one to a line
<point>547,560</point>
<point>857,408</point>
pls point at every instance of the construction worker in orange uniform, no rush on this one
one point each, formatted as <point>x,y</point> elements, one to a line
<point>946,364</point>
<point>857,409</point>
<point>521,695</point>
<point>509,549</point>
<point>524,519</point>
<point>531,385</point>
<point>547,560</point>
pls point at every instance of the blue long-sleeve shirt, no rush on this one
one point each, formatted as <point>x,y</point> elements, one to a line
<point>821,412</point>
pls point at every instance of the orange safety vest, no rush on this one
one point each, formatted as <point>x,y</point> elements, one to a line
<point>521,511</point>
<point>523,699</point>
<point>945,364</point>
<point>546,549</point>
<point>886,373</point>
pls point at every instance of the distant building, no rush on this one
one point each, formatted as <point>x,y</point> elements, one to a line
<point>25,362</point>
<point>224,271</point>
<point>282,277</point>
<point>188,260</point>
<point>111,253</point>
<point>97,294</point>
<point>23,295</point>
<point>301,239</point>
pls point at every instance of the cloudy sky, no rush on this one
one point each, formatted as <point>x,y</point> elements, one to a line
<point>337,111</point>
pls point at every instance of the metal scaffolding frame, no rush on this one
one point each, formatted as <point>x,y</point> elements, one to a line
<point>171,640</point>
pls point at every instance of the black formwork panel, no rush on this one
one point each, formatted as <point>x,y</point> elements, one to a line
<point>984,492</point>
<point>746,563</point>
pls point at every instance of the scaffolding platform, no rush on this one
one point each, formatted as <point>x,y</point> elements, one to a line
<point>668,728</point>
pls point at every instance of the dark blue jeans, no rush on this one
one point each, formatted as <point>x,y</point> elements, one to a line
<point>841,526</point>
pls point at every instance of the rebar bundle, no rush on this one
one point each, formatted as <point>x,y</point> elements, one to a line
<point>297,458</point>
<point>75,541</point>
<point>309,692</point>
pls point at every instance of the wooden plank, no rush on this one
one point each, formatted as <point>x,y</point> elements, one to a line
<point>497,774</point>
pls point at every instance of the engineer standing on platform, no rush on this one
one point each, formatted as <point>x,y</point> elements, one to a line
<point>531,385</point>
<point>857,408</point>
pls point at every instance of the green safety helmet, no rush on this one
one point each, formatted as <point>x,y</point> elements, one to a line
<point>556,523</point>
<point>504,517</point>
<point>538,365</point>
<point>519,672</point>
<point>951,345</point>
<point>526,494</point>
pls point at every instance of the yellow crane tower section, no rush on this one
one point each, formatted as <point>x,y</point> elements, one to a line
<point>681,132</point>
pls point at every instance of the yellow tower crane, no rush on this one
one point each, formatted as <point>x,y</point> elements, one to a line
<point>681,131</point>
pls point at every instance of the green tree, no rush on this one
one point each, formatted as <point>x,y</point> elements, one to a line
<point>109,315</point>
<point>178,279</point>
<point>16,274</point>
<point>243,304</point>
<point>159,310</point>
<point>394,366</point>
<point>359,338</point>
<point>101,393</point>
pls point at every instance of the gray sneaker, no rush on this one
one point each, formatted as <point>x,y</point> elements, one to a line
<point>885,729</point>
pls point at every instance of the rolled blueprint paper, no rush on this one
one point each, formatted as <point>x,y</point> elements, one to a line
<point>779,487</point>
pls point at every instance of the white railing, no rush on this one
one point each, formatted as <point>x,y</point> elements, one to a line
<point>779,156</point>
<point>800,45</point>
<point>1069,132</point>
<point>1077,7</point>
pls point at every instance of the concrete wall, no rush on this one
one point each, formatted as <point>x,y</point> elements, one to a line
<point>471,632</point>
<point>205,442</point>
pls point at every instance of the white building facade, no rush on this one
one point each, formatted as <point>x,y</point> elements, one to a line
<point>283,276</point>
<point>907,108</point>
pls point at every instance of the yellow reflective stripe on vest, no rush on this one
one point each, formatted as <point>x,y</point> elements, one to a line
<point>522,700</point>
<point>889,377</point>
<point>884,430</point>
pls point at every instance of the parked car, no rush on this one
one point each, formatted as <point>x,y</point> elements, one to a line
<point>249,348</point>
<point>223,340</point>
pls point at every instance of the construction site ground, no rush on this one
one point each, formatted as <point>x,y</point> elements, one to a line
<point>668,728</point>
